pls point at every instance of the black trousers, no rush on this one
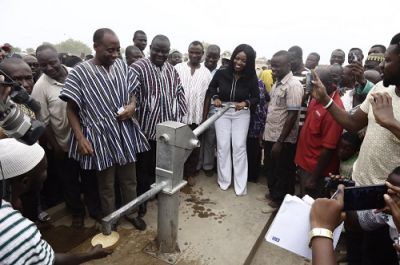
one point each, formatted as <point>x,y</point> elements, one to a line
<point>146,168</point>
<point>253,158</point>
<point>280,172</point>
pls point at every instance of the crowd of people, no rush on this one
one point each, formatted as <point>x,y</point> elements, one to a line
<point>293,122</point>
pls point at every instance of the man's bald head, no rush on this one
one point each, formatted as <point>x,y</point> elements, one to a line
<point>19,71</point>
<point>132,54</point>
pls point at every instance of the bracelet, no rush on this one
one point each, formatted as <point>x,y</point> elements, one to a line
<point>320,232</point>
<point>329,104</point>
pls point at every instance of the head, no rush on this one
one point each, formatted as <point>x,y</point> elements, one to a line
<point>106,45</point>
<point>159,50</point>
<point>280,65</point>
<point>348,77</point>
<point>72,60</point>
<point>391,65</point>
<point>312,60</point>
<point>195,52</point>
<point>18,70</point>
<point>7,49</point>
<point>336,73</point>
<point>373,61</point>
<point>212,57</point>
<point>89,57</point>
<point>349,145</point>
<point>175,57</point>
<point>337,56</point>
<point>24,166</point>
<point>140,39</point>
<point>243,60</point>
<point>373,76</point>
<point>296,57</point>
<point>327,74</point>
<point>226,59</point>
<point>132,54</point>
<point>394,177</point>
<point>355,54</point>
<point>33,64</point>
<point>377,48</point>
<point>48,60</point>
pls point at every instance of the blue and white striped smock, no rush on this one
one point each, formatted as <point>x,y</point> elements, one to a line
<point>99,94</point>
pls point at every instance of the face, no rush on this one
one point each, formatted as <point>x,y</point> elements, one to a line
<point>239,62</point>
<point>22,73</point>
<point>33,64</point>
<point>337,57</point>
<point>355,55</point>
<point>159,51</point>
<point>140,41</point>
<point>312,61</point>
<point>211,60</point>
<point>376,50</point>
<point>175,58</point>
<point>348,78</point>
<point>49,63</point>
<point>295,61</point>
<point>195,54</point>
<point>345,150</point>
<point>133,56</point>
<point>391,67</point>
<point>372,65</point>
<point>280,66</point>
<point>108,50</point>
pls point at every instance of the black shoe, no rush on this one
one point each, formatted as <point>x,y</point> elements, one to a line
<point>142,209</point>
<point>138,223</point>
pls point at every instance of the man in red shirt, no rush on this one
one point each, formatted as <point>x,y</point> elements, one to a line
<point>316,148</point>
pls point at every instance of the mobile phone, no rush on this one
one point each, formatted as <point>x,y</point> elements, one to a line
<point>309,84</point>
<point>333,183</point>
<point>355,58</point>
<point>364,197</point>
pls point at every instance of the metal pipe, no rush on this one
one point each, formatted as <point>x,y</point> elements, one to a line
<point>207,123</point>
<point>167,222</point>
<point>110,219</point>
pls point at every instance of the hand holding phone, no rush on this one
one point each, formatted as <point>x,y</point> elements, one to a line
<point>364,197</point>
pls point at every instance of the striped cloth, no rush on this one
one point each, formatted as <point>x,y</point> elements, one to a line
<point>159,93</point>
<point>195,87</point>
<point>99,94</point>
<point>20,240</point>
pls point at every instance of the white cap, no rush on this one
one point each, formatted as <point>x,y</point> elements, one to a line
<point>17,158</point>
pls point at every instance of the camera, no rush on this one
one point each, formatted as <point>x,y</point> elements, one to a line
<point>309,84</point>
<point>12,120</point>
<point>333,183</point>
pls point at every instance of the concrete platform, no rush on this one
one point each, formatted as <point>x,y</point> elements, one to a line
<point>215,227</point>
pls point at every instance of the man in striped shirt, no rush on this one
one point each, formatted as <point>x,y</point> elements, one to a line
<point>101,107</point>
<point>160,97</point>
<point>195,79</point>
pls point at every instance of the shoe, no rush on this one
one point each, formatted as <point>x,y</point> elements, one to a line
<point>274,204</point>
<point>142,209</point>
<point>209,173</point>
<point>191,181</point>
<point>138,223</point>
<point>44,217</point>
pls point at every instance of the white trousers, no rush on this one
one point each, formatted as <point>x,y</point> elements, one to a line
<point>231,129</point>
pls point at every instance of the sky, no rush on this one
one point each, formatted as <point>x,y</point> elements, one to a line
<point>268,26</point>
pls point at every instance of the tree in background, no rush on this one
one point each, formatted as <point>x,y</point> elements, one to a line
<point>30,50</point>
<point>72,46</point>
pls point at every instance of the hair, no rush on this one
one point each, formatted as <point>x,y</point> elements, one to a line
<point>99,34</point>
<point>214,47</point>
<point>297,51</point>
<point>132,48</point>
<point>353,139</point>
<point>250,68</point>
<point>316,55</point>
<point>282,53</point>
<point>160,37</point>
<point>72,60</point>
<point>45,47</point>
<point>338,50</point>
<point>379,46</point>
<point>196,43</point>
<point>396,41</point>
<point>355,49</point>
<point>395,171</point>
<point>8,63</point>
<point>138,32</point>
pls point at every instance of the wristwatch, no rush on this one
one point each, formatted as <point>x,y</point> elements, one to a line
<point>320,232</point>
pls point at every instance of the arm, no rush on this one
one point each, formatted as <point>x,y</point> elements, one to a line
<point>383,111</point>
<point>323,161</point>
<point>351,122</point>
<point>322,251</point>
<point>129,110</point>
<point>85,147</point>
<point>71,259</point>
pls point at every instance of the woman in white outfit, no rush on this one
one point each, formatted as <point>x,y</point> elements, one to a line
<point>237,85</point>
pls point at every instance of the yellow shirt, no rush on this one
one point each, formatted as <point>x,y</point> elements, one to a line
<point>266,77</point>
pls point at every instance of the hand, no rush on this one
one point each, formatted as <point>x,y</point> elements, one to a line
<point>4,90</point>
<point>319,90</point>
<point>240,106</point>
<point>85,147</point>
<point>217,103</point>
<point>327,213</point>
<point>129,111</point>
<point>276,150</point>
<point>98,252</point>
<point>394,193</point>
<point>358,72</point>
<point>382,108</point>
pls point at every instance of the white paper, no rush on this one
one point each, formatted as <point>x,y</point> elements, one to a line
<point>291,226</point>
